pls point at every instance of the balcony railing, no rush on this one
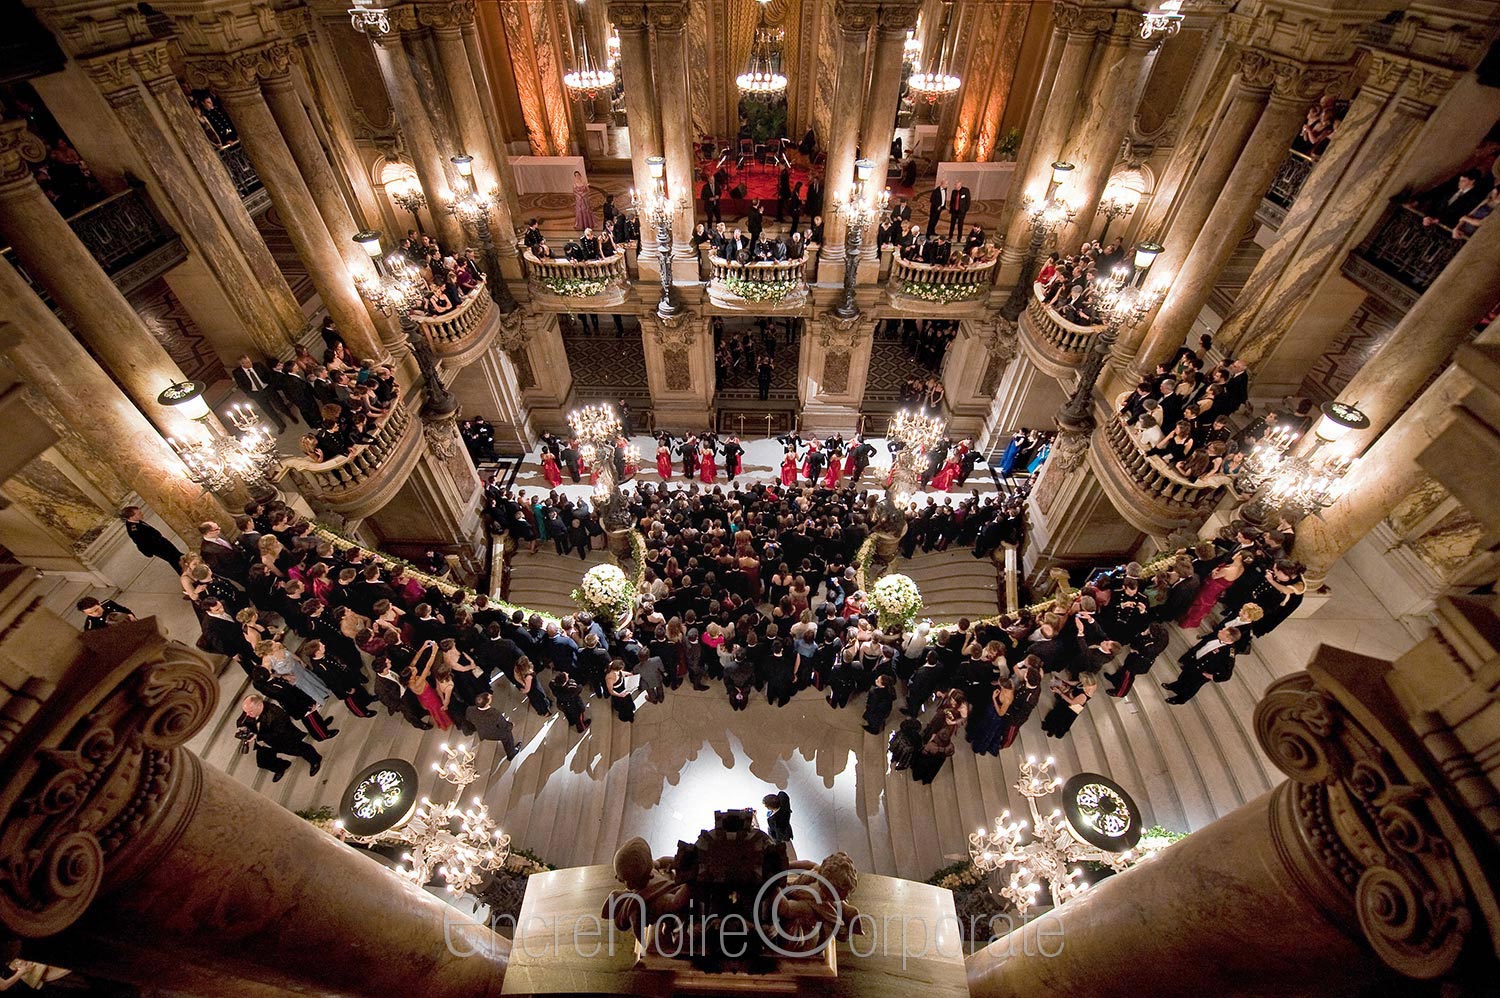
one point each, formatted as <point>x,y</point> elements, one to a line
<point>1402,257</point>
<point>762,283</point>
<point>1054,344</point>
<point>940,283</point>
<point>241,171</point>
<point>1287,183</point>
<point>361,482</point>
<point>1146,490</point>
<point>457,333</point>
<point>578,283</point>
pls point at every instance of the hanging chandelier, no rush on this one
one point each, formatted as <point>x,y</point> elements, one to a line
<point>760,78</point>
<point>940,82</point>
<point>586,81</point>
<point>911,51</point>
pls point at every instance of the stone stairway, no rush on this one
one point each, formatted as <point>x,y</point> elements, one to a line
<point>545,580</point>
<point>953,584</point>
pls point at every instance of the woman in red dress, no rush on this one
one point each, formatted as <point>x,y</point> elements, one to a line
<point>708,470</point>
<point>583,459</point>
<point>664,462</point>
<point>944,479</point>
<point>789,469</point>
<point>630,469</point>
<point>421,679</point>
<point>1213,587</point>
<point>550,470</point>
<point>834,473</point>
<point>849,458</point>
<point>807,469</point>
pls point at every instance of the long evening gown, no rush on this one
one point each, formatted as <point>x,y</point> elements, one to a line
<point>664,463</point>
<point>789,471</point>
<point>583,215</point>
<point>1203,603</point>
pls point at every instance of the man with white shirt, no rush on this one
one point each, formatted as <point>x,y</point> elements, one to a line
<point>254,379</point>
<point>1210,660</point>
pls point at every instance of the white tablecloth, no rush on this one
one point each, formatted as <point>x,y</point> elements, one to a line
<point>546,174</point>
<point>986,181</point>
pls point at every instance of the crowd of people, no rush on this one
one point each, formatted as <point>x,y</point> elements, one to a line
<point>1181,412</point>
<point>925,341</point>
<point>449,279</point>
<point>752,244</point>
<point>1069,285</point>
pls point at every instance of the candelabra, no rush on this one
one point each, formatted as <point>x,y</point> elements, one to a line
<point>1101,825</point>
<point>597,428</point>
<point>1117,202</point>
<point>397,289</point>
<point>858,212</point>
<point>215,460</point>
<point>1282,479</point>
<point>917,432</point>
<point>410,199</point>
<point>472,209</point>
<point>462,845</point>
<point>1123,302</point>
<point>656,209</point>
<point>1165,20</point>
<point>1045,214</point>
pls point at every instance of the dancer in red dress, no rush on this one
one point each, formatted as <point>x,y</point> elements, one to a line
<point>583,460</point>
<point>550,471</point>
<point>835,472</point>
<point>707,468</point>
<point>664,462</point>
<point>789,469</point>
<point>849,468</point>
<point>812,465</point>
<point>945,479</point>
<point>629,470</point>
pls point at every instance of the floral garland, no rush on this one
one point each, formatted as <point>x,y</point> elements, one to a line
<point>896,601</point>
<point>771,291</point>
<point>863,559</point>
<point>605,592</point>
<point>942,294</point>
<point>574,287</point>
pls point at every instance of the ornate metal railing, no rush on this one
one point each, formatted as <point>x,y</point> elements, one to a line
<point>947,280</point>
<point>453,332</point>
<point>1400,246</point>
<point>605,280</point>
<point>360,482</point>
<point>1287,183</point>
<point>767,282</point>
<point>1148,492</point>
<point>241,171</point>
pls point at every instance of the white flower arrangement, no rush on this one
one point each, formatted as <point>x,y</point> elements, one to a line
<point>941,294</point>
<point>753,290</point>
<point>574,287</point>
<point>896,600</point>
<point>605,592</point>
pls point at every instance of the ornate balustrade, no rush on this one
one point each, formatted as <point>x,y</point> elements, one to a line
<point>578,283</point>
<point>1402,257</point>
<point>915,285</point>
<point>762,284</point>
<point>242,174</point>
<point>359,483</point>
<point>1145,489</point>
<point>460,335</point>
<point>1285,187</point>
<point>1054,344</point>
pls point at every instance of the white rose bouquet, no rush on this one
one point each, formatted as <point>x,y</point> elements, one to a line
<point>896,600</point>
<point>605,592</point>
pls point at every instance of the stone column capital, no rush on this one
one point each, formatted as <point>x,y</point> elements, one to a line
<point>1393,849</point>
<point>448,15</point>
<point>85,783</point>
<point>628,16</point>
<point>238,71</point>
<point>19,146</point>
<point>898,18</point>
<point>296,23</point>
<point>667,16</point>
<point>856,18</point>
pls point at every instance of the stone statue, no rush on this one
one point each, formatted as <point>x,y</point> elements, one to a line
<point>649,893</point>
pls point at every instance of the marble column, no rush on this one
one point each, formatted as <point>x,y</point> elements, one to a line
<point>879,123</point>
<point>1095,143</point>
<point>197,190</point>
<point>1335,204</point>
<point>307,152</point>
<point>469,31</point>
<point>669,23</point>
<point>49,251</point>
<point>640,105</point>
<point>1247,100</point>
<point>236,79</point>
<point>1038,113</point>
<point>1057,118</point>
<point>112,426</point>
<point>854,24</point>
<point>415,123</point>
<point>463,95</point>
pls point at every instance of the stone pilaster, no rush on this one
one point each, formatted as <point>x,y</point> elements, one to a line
<point>854,24</point>
<point>880,114</point>
<point>668,20</point>
<point>1071,522</point>
<point>145,94</point>
<point>679,371</point>
<point>833,364</point>
<point>536,353</point>
<point>629,20</point>
<point>973,367</point>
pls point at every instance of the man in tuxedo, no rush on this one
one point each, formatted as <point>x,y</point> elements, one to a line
<point>936,202</point>
<point>96,612</point>
<point>901,212</point>
<point>1237,388</point>
<point>532,237</point>
<point>861,451</point>
<point>763,374</point>
<point>1450,201</point>
<point>1210,660</point>
<point>814,200</point>
<point>754,222</point>
<point>491,725</point>
<point>254,379</point>
<point>974,240</point>
<point>569,460</point>
<point>588,246</point>
<point>1182,589</point>
<point>688,451</point>
<point>286,380</point>
<point>815,231</point>
<point>148,540</point>
<point>220,555</point>
<point>265,727</point>
<point>958,206</point>
<point>711,202</point>
<point>735,245</point>
<point>222,634</point>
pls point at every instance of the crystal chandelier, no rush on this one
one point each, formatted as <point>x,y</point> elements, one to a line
<point>911,52</point>
<point>940,82</point>
<point>586,81</point>
<point>213,459</point>
<point>760,78</point>
<point>1165,20</point>
<point>917,431</point>
<point>397,287</point>
<point>1101,825</point>
<point>1283,480</point>
<point>462,845</point>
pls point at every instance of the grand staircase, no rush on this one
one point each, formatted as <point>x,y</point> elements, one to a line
<point>545,580</point>
<point>953,584</point>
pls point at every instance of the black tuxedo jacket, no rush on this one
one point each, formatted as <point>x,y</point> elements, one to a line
<point>242,377</point>
<point>959,200</point>
<point>1218,664</point>
<point>937,200</point>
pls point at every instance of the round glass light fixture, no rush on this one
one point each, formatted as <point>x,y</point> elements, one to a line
<point>1338,419</point>
<point>382,796</point>
<point>656,167</point>
<point>1146,254</point>
<point>863,168</point>
<point>464,164</point>
<point>932,86</point>
<point>369,241</point>
<point>760,78</point>
<point>185,398</point>
<point>1061,172</point>
<point>1101,812</point>
<point>586,81</point>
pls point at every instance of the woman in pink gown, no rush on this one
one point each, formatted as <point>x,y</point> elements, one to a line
<point>944,479</point>
<point>1213,587</point>
<point>707,468</point>
<point>583,214</point>
<point>550,470</point>
<point>789,469</point>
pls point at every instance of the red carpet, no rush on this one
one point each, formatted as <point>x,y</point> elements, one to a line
<point>760,182</point>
